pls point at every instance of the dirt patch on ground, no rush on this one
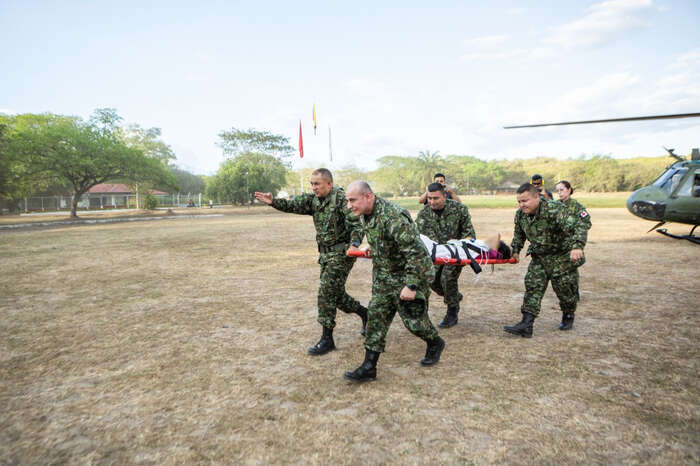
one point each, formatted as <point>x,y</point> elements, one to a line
<point>185,341</point>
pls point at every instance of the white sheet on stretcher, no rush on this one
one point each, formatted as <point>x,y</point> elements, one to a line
<point>455,248</point>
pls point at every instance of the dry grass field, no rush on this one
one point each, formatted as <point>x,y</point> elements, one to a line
<point>184,341</point>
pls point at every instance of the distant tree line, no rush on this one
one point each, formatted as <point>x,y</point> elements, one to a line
<point>48,153</point>
<point>408,176</point>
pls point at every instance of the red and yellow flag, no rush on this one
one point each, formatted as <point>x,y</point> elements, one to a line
<point>301,143</point>
<point>314,113</point>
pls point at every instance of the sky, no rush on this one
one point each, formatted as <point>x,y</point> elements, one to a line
<point>388,78</point>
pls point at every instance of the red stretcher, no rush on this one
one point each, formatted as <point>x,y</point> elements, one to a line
<point>443,261</point>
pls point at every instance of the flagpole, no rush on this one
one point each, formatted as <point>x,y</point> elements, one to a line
<point>330,144</point>
<point>301,156</point>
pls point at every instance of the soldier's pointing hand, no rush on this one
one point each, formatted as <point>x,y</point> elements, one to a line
<point>265,198</point>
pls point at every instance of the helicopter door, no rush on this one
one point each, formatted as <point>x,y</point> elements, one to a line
<point>684,204</point>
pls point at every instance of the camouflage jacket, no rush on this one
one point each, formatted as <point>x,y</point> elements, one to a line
<point>335,224</point>
<point>550,230</point>
<point>454,222</point>
<point>398,253</point>
<point>579,219</point>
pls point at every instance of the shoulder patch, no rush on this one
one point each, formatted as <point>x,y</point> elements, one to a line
<point>584,214</point>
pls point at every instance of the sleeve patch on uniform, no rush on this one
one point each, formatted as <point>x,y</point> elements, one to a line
<point>584,214</point>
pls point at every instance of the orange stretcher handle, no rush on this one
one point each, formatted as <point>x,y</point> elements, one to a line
<point>444,261</point>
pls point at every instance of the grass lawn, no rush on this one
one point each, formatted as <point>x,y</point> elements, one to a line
<point>184,341</point>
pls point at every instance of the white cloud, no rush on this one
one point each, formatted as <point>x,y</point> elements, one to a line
<point>602,23</point>
<point>678,91</point>
<point>7,111</point>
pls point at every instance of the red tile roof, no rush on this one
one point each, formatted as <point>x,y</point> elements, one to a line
<point>117,188</point>
<point>110,188</point>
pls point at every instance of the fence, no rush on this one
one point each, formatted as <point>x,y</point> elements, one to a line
<point>101,202</point>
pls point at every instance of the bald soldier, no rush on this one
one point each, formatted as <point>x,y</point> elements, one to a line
<point>556,247</point>
<point>336,228</point>
<point>401,276</point>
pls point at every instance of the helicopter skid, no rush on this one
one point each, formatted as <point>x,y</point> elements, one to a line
<point>690,237</point>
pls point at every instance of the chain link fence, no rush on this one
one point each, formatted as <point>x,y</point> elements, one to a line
<point>99,202</point>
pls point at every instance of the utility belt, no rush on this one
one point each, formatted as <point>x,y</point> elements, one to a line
<point>339,247</point>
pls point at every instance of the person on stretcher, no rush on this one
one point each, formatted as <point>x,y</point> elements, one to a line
<point>469,248</point>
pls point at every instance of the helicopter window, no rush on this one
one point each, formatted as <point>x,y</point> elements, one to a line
<point>664,177</point>
<point>670,179</point>
<point>686,187</point>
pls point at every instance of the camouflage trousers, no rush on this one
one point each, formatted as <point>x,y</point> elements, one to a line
<point>384,305</point>
<point>335,268</point>
<point>564,277</point>
<point>446,283</point>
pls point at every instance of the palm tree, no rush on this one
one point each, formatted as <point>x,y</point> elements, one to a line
<point>429,163</point>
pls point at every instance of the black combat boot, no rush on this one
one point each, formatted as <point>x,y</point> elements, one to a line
<point>433,351</point>
<point>325,344</point>
<point>567,321</point>
<point>367,371</point>
<point>522,328</point>
<point>450,318</point>
<point>362,312</point>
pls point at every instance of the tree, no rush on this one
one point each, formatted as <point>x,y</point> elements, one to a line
<point>399,175</point>
<point>235,142</point>
<point>188,182</point>
<point>470,173</point>
<point>19,179</point>
<point>429,163</point>
<point>238,178</point>
<point>148,140</point>
<point>83,153</point>
<point>603,174</point>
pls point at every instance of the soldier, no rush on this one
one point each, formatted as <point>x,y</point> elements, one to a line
<point>336,228</point>
<point>577,214</point>
<point>556,247</point>
<point>538,182</point>
<point>401,274</point>
<point>442,220</point>
<point>439,178</point>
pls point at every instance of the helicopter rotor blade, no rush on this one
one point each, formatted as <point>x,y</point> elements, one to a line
<point>610,120</point>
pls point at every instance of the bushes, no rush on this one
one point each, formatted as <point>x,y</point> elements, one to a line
<point>150,202</point>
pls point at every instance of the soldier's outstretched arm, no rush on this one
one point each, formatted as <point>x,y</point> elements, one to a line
<point>300,204</point>
<point>518,237</point>
<point>265,198</point>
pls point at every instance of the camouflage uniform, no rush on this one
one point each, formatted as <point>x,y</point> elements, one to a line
<point>399,259</point>
<point>553,232</point>
<point>336,227</point>
<point>454,223</point>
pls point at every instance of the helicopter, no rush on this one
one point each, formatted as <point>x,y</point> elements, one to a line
<point>674,196</point>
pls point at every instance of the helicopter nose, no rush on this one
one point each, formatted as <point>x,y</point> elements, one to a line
<point>648,203</point>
